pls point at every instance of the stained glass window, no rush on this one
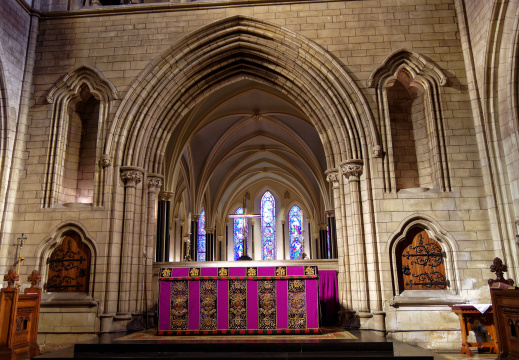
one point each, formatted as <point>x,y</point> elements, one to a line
<point>329,246</point>
<point>238,234</point>
<point>201,236</point>
<point>268,227</point>
<point>295,222</point>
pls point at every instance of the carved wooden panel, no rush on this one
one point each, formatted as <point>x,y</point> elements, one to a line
<point>69,266</point>
<point>420,263</point>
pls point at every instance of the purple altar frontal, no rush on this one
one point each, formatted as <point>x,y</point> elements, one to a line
<point>238,300</point>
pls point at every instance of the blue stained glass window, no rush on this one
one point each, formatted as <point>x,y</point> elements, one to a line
<point>201,236</point>
<point>238,234</point>
<point>328,242</point>
<point>268,227</point>
<point>295,222</point>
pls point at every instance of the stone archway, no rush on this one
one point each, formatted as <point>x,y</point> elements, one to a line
<point>221,54</point>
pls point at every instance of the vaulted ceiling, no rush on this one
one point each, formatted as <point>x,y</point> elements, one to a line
<point>240,136</point>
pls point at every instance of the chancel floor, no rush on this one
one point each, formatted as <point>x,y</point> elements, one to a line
<point>334,343</point>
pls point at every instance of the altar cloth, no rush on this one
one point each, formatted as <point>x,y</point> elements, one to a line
<point>238,300</point>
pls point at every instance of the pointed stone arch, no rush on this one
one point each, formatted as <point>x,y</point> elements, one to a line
<point>436,232</point>
<point>88,82</point>
<point>420,73</point>
<point>222,53</point>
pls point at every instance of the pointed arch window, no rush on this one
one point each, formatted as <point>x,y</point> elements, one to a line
<point>240,228</point>
<point>268,226</point>
<point>295,225</point>
<point>201,237</point>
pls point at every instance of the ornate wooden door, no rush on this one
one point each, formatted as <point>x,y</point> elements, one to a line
<point>420,262</point>
<point>69,266</point>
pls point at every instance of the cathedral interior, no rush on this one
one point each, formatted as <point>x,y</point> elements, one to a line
<point>351,135</point>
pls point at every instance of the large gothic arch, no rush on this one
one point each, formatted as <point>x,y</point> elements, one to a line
<point>227,51</point>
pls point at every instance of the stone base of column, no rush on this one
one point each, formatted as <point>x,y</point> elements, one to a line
<point>365,319</point>
<point>120,322</point>
<point>106,323</point>
<point>379,321</point>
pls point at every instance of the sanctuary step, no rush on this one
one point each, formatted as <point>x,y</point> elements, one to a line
<point>363,345</point>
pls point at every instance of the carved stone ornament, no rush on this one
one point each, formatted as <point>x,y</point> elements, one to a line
<point>154,183</point>
<point>377,151</point>
<point>106,161</point>
<point>332,175</point>
<point>131,177</point>
<point>352,169</point>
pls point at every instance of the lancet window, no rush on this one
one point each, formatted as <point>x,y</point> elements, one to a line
<point>268,226</point>
<point>240,229</point>
<point>295,222</point>
<point>201,237</point>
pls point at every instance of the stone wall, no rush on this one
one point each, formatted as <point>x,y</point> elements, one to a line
<point>359,35</point>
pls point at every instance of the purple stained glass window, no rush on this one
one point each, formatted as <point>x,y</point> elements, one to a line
<point>201,236</point>
<point>268,227</point>
<point>295,222</point>
<point>238,234</point>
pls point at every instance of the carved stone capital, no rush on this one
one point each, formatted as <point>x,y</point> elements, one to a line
<point>166,195</point>
<point>352,169</point>
<point>105,161</point>
<point>154,181</point>
<point>131,176</point>
<point>330,213</point>
<point>332,175</point>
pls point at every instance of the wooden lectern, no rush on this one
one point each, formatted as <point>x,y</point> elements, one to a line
<point>19,315</point>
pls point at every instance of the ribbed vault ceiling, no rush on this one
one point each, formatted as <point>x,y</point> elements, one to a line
<point>243,135</point>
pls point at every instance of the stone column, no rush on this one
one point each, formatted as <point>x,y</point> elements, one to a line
<point>154,185</point>
<point>352,170</point>
<point>345,296</point>
<point>220,249</point>
<point>131,176</point>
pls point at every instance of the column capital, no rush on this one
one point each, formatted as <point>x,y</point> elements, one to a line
<point>131,176</point>
<point>352,169</point>
<point>154,181</point>
<point>166,195</point>
<point>332,175</point>
<point>330,213</point>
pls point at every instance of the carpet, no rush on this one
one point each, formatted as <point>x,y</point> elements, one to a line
<point>328,333</point>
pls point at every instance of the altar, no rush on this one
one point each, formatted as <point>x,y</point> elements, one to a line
<point>238,300</point>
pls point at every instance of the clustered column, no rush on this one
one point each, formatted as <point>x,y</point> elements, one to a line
<point>131,176</point>
<point>352,170</point>
<point>345,296</point>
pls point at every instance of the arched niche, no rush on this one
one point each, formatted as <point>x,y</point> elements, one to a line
<point>412,123</point>
<point>80,109</point>
<point>410,227</point>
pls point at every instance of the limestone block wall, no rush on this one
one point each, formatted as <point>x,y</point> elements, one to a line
<point>360,35</point>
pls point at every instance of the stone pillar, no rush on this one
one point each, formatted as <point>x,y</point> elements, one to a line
<point>154,185</point>
<point>131,176</point>
<point>194,237</point>
<point>220,250</point>
<point>352,170</point>
<point>344,280</point>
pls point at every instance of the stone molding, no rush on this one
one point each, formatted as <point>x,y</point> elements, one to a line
<point>352,169</point>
